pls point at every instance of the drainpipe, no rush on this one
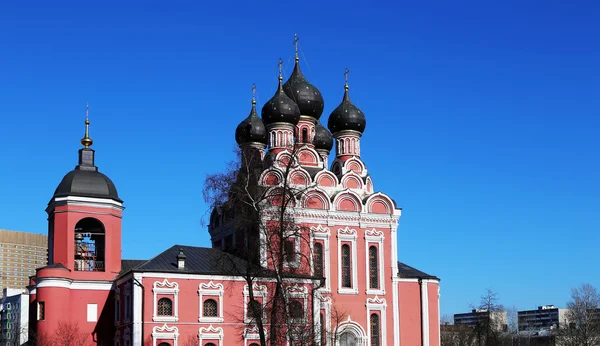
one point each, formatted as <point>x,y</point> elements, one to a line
<point>132,314</point>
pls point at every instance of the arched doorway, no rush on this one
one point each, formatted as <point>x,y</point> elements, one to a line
<point>351,333</point>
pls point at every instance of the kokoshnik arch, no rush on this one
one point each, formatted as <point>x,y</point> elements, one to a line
<point>350,261</point>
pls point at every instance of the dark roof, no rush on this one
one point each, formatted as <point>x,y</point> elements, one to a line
<point>307,96</point>
<point>127,265</point>
<point>199,260</point>
<point>86,181</point>
<point>406,271</point>
<point>346,117</point>
<point>251,129</point>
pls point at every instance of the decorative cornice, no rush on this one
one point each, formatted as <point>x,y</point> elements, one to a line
<point>164,329</point>
<point>166,284</point>
<point>211,330</point>
<point>211,286</point>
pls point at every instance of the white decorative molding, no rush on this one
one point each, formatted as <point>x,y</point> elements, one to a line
<point>259,291</point>
<point>251,334</point>
<point>299,292</point>
<point>166,288</point>
<point>295,236</point>
<point>137,307</point>
<point>375,238</point>
<point>165,333</point>
<point>211,290</point>
<point>356,329</point>
<point>211,333</point>
<point>377,304</point>
<point>348,235</point>
<point>425,310</point>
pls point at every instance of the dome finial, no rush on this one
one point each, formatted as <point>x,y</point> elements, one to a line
<point>296,39</point>
<point>346,78</point>
<point>280,71</point>
<point>253,94</point>
<point>86,141</point>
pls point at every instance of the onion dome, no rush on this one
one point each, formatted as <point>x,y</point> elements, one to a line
<point>307,96</point>
<point>85,180</point>
<point>251,129</point>
<point>280,108</point>
<point>323,138</point>
<point>347,117</point>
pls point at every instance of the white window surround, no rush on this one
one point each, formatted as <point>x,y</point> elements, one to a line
<point>166,288</point>
<point>210,334</point>
<point>211,290</point>
<point>373,237</point>
<point>251,335</point>
<point>117,338</point>
<point>165,333</point>
<point>322,233</point>
<point>127,337</point>
<point>348,235</point>
<point>259,291</point>
<point>324,304</point>
<point>299,292</point>
<point>376,304</point>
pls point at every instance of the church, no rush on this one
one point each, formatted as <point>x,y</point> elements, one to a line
<point>311,258</point>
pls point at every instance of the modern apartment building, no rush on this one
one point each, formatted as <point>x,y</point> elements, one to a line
<point>14,317</point>
<point>544,318</point>
<point>20,254</point>
<point>478,317</point>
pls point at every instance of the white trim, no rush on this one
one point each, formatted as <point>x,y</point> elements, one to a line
<point>90,285</point>
<point>167,288</point>
<point>376,304</point>
<point>395,283</point>
<point>439,328</point>
<point>324,303</point>
<point>375,237</point>
<point>322,233</point>
<point>258,291</point>
<point>348,235</point>
<point>210,333</point>
<point>425,314</point>
<point>251,334</point>
<point>211,290</point>
<point>215,277</point>
<point>296,238</point>
<point>137,309</point>
<point>356,329</point>
<point>299,292</point>
<point>74,284</point>
<point>165,332</point>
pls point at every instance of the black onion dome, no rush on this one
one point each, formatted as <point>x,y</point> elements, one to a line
<point>280,109</point>
<point>347,117</point>
<point>251,129</point>
<point>307,96</point>
<point>323,138</point>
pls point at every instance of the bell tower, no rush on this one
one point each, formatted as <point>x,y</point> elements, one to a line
<point>84,220</point>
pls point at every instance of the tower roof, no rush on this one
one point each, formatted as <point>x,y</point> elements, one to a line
<point>280,108</point>
<point>251,129</point>
<point>85,180</point>
<point>347,117</point>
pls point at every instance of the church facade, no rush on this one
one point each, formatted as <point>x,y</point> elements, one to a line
<point>337,274</point>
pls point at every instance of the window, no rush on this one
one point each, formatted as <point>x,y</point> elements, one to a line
<point>295,309</point>
<point>373,268</point>
<point>375,330</point>
<point>254,344</point>
<point>305,135</point>
<point>318,259</point>
<point>254,309</point>
<point>41,311</point>
<point>164,307</point>
<point>164,344</point>
<point>289,250</point>
<point>210,308</point>
<point>210,344</point>
<point>92,312</point>
<point>346,266</point>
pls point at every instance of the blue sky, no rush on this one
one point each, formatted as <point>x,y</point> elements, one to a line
<point>483,121</point>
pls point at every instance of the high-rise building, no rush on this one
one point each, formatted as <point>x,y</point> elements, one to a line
<point>20,254</point>
<point>478,317</point>
<point>14,317</point>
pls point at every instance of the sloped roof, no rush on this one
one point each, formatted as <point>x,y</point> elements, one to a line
<point>127,265</point>
<point>406,271</point>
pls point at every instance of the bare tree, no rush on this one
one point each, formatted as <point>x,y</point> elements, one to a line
<point>265,214</point>
<point>583,318</point>
<point>490,326</point>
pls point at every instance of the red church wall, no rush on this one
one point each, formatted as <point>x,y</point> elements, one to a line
<point>410,313</point>
<point>434,315</point>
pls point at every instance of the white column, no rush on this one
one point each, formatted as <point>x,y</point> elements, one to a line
<point>137,310</point>
<point>425,314</point>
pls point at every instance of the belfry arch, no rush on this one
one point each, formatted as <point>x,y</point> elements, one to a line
<point>90,245</point>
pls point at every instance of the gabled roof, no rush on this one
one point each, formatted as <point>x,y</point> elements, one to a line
<point>408,272</point>
<point>199,260</point>
<point>127,265</point>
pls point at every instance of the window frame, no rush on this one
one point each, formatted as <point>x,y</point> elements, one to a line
<point>375,238</point>
<point>259,291</point>
<point>166,289</point>
<point>211,334</point>
<point>322,234</point>
<point>210,290</point>
<point>170,302</point>
<point>377,305</point>
<point>348,236</point>
<point>164,332</point>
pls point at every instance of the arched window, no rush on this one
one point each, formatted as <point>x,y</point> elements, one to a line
<point>254,344</point>
<point>318,259</point>
<point>295,309</point>
<point>373,268</point>
<point>323,331</point>
<point>348,339</point>
<point>210,344</point>
<point>164,344</point>
<point>375,339</point>
<point>89,245</point>
<point>346,269</point>
<point>305,135</point>
<point>164,307</point>
<point>209,308</point>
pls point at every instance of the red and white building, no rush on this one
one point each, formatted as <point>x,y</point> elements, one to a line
<point>186,295</point>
